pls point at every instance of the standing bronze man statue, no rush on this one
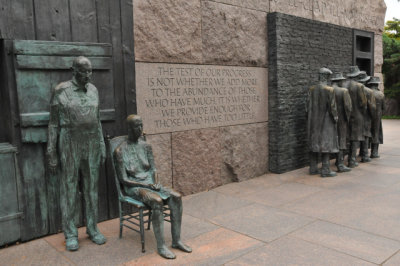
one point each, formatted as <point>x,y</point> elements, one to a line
<point>377,134</point>
<point>322,119</point>
<point>136,171</point>
<point>368,114</point>
<point>343,103</point>
<point>76,145</point>
<point>359,106</point>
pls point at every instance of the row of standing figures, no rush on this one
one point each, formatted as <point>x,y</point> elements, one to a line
<point>344,115</point>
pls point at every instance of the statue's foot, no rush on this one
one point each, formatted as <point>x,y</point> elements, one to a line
<point>342,168</point>
<point>72,244</point>
<point>181,246</point>
<point>373,156</point>
<point>166,253</point>
<point>315,172</point>
<point>353,164</point>
<point>328,174</point>
<point>365,159</point>
<point>98,238</point>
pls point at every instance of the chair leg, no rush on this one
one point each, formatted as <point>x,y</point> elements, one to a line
<point>149,220</point>
<point>120,221</point>
<point>142,228</point>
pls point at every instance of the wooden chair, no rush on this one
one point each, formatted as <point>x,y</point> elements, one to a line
<point>134,220</point>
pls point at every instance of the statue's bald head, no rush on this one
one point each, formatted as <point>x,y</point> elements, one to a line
<point>81,61</point>
<point>135,127</point>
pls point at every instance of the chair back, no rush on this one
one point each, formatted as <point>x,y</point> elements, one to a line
<point>113,144</point>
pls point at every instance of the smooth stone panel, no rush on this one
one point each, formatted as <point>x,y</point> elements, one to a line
<point>233,35</point>
<point>214,248</point>
<point>378,53</point>
<point>260,5</point>
<point>177,97</point>
<point>298,8</point>
<point>167,31</point>
<point>244,151</point>
<point>261,222</point>
<point>362,245</point>
<point>161,144</point>
<point>292,251</point>
<point>393,261</point>
<point>197,160</point>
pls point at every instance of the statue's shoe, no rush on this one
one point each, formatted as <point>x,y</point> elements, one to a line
<point>373,156</point>
<point>72,244</point>
<point>365,159</point>
<point>183,247</point>
<point>342,168</point>
<point>166,253</point>
<point>328,174</point>
<point>353,164</point>
<point>315,172</point>
<point>98,238</point>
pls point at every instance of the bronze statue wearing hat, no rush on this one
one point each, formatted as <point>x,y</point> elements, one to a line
<point>359,105</point>
<point>136,171</point>
<point>368,114</point>
<point>377,132</point>
<point>344,107</point>
<point>321,127</point>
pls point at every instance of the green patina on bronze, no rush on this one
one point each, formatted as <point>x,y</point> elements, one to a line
<point>76,145</point>
<point>136,171</point>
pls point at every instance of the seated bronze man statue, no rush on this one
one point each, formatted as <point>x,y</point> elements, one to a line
<point>136,172</point>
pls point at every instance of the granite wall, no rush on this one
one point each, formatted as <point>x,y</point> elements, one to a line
<point>228,33</point>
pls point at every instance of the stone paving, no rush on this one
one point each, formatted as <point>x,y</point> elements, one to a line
<point>288,219</point>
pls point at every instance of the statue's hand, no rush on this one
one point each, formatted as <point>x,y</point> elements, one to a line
<point>156,186</point>
<point>52,164</point>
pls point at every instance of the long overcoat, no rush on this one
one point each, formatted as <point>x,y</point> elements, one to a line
<point>377,134</point>
<point>359,106</point>
<point>370,112</point>
<point>322,118</point>
<point>344,107</point>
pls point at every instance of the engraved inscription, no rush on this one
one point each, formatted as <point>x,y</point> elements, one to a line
<point>175,97</point>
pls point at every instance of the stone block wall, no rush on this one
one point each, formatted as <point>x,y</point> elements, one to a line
<point>298,47</point>
<point>235,33</point>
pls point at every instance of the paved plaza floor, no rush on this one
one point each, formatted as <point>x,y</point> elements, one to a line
<point>287,219</point>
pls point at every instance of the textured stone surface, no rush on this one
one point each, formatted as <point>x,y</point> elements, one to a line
<point>299,8</point>
<point>233,35</point>
<point>391,107</point>
<point>294,61</point>
<point>378,53</point>
<point>260,5</point>
<point>167,31</point>
<point>161,145</point>
<point>244,151</point>
<point>197,160</point>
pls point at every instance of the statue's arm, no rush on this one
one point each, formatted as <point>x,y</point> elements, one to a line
<point>152,170</point>
<point>53,129</point>
<point>101,138</point>
<point>332,105</point>
<point>362,98</point>
<point>347,104</point>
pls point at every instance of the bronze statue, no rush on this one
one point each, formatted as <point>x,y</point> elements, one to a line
<point>343,103</point>
<point>368,113</point>
<point>377,133</point>
<point>322,119</point>
<point>136,172</point>
<point>75,144</point>
<point>359,105</point>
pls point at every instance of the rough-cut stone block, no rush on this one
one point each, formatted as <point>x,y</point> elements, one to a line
<point>167,31</point>
<point>381,86</point>
<point>233,35</point>
<point>365,15</point>
<point>244,151</point>
<point>197,160</point>
<point>260,5</point>
<point>161,145</point>
<point>299,8</point>
<point>378,53</point>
